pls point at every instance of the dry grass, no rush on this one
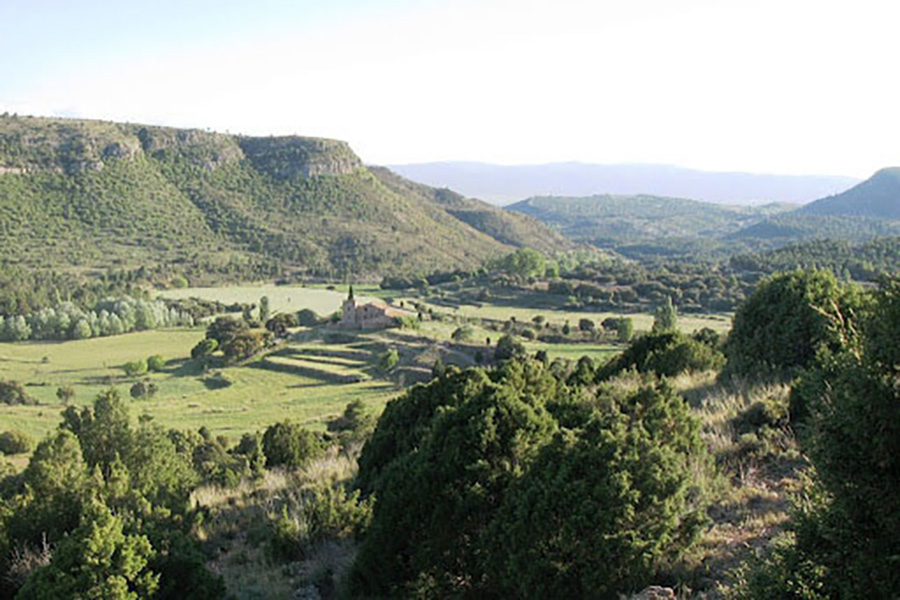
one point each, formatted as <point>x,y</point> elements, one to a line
<point>238,523</point>
<point>752,505</point>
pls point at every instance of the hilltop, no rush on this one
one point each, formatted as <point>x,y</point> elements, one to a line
<point>877,197</point>
<point>866,211</point>
<point>502,184</point>
<point>92,194</point>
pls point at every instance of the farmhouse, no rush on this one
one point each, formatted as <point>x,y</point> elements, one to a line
<point>373,314</point>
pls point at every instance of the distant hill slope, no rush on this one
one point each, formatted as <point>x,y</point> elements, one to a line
<point>612,220</point>
<point>877,197</point>
<point>864,261</point>
<point>504,184</point>
<point>512,228</point>
<point>866,211</point>
<point>96,194</point>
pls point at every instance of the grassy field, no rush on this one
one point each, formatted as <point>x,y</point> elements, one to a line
<point>256,397</point>
<point>308,380</point>
<point>282,298</point>
<point>642,321</point>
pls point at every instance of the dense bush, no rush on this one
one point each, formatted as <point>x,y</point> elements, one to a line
<point>135,368</point>
<point>111,501</point>
<point>508,347</point>
<point>480,486</point>
<point>204,348</point>
<point>156,363</point>
<point>844,538</point>
<point>388,360</point>
<point>290,445</point>
<point>15,442</point>
<point>313,514</point>
<point>667,354</point>
<point>356,423</point>
<point>307,318</point>
<point>785,321</point>
<point>12,392</point>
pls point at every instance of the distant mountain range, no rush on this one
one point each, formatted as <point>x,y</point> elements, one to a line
<point>505,184</point>
<point>93,194</point>
<point>642,224</point>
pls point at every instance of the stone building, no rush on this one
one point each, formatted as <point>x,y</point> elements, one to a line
<point>372,314</point>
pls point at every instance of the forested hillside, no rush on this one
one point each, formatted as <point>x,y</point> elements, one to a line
<point>98,194</point>
<point>878,197</point>
<point>642,225</point>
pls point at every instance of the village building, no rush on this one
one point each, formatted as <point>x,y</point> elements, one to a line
<point>372,314</point>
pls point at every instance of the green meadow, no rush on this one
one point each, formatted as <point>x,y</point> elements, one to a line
<point>308,380</point>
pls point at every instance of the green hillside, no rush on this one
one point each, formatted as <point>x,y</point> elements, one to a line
<point>91,194</point>
<point>864,212</point>
<point>508,227</point>
<point>622,222</point>
<point>877,197</point>
<point>862,261</point>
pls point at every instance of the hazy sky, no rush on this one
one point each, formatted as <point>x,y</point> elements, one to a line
<point>786,86</point>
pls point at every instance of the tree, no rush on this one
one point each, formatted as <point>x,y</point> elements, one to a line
<point>143,389</point>
<point>81,330</point>
<point>135,368</point>
<point>13,392</point>
<point>604,506</point>
<point>263,309</point>
<point>280,323</point>
<point>289,444</point>
<point>586,325</point>
<point>464,333</point>
<point>225,329</point>
<point>523,264</point>
<point>481,492</point>
<point>97,561</point>
<point>624,329</point>
<point>156,363</point>
<point>307,318</point>
<point>667,354</point>
<point>665,320</point>
<point>389,360</point>
<point>204,348</point>
<point>244,345</point>
<point>15,442</point>
<point>508,347</point>
<point>104,429</point>
<point>786,321</point>
<point>65,393</point>
<point>844,537</point>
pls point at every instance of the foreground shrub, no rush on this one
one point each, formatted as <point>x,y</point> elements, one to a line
<point>844,537</point>
<point>666,354</point>
<point>506,484</point>
<point>99,560</point>
<point>317,513</point>
<point>785,321</point>
<point>290,445</point>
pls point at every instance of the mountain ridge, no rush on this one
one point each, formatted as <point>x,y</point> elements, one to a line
<point>502,184</point>
<point>96,194</point>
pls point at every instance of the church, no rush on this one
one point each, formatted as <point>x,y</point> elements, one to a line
<point>372,314</point>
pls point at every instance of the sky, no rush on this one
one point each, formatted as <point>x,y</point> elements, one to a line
<point>776,86</point>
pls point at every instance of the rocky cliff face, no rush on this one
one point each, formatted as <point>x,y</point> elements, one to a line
<point>29,145</point>
<point>288,157</point>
